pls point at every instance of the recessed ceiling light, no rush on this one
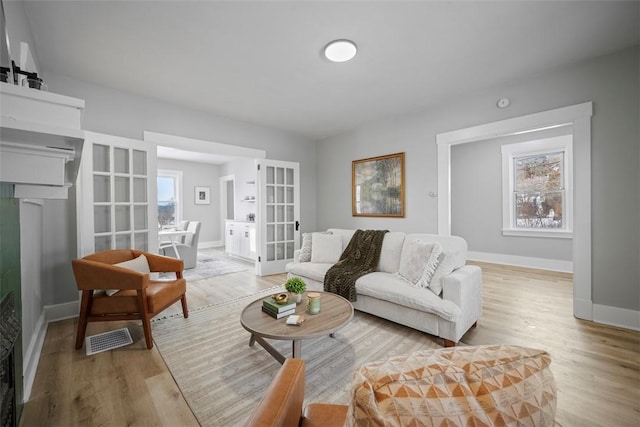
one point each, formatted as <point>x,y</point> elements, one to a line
<point>340,50</point>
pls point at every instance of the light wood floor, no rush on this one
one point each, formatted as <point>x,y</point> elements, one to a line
<point>596,367</point>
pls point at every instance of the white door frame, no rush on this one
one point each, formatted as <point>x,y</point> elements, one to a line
<point>578,115</point>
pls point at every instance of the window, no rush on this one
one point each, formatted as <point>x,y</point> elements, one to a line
<point>537,188</point>
<point>169,203</point>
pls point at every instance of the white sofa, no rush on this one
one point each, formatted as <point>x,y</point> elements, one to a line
<point>385,294</point>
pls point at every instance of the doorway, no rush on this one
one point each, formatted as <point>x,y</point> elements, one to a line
<point>580,117</point>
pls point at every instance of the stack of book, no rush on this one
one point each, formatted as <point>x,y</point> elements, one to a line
<point>277,310</point>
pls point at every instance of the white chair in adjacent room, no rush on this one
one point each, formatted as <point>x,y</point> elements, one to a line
<point>188,249</point>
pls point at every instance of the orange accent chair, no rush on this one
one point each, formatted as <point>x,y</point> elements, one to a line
<point>136,296</point>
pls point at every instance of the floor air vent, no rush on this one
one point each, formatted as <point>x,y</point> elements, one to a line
<point>107,341</point>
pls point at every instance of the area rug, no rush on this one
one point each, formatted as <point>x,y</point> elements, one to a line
<point>222,378</point>
<point>208,266</point>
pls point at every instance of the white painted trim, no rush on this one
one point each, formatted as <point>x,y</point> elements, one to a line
<point>202,146</point>
<point>580,116</point>
<point>67,310</point>
<point>32,357</point>
<point>616,316</point>
<point>535,146</point>
<point>516,125</point>
<point>522,261</point>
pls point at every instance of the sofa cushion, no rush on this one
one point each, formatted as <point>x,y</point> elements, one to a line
<point>389,287</point>
<point>314,271</point>
<point>391,246</point>
<point>326,248</point>
<point>418,262</point>
<point>344,233</point>
<point>461,386</point>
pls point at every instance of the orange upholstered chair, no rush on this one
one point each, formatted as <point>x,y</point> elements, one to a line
<point>125,291</point>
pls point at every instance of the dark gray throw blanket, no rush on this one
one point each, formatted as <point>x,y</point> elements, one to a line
<point>359,258</point>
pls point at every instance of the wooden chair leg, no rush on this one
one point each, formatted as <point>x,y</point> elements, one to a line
<point>146,318</point>
<point>183,300</point>
<point>146,325</point>
<point>449,343</point>
<point>85,306</point>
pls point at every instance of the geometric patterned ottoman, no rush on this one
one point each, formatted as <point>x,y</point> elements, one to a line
<point>491,385</point>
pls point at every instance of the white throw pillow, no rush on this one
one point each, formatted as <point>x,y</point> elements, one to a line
<point>445,267</point>
<point>326,248</point>
<point>305,250</point>
<point>140,264</point>
<point>418,262</point>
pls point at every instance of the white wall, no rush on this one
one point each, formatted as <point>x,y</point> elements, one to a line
<point>196,174</point>
<point>611,82</point>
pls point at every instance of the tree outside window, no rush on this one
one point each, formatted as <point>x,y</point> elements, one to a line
<point>539,191</point>
<point>537,187</point>
<point>168,198</point>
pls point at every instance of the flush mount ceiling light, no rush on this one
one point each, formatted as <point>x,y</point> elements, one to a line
<point>340,50</point>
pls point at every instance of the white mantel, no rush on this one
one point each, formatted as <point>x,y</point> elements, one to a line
<point>40,141</point>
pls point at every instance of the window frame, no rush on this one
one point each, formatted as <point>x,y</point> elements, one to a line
<point>177,177</point>
<point>510,152</point>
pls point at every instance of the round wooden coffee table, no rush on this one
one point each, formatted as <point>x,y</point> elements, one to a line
<point>335,312</point>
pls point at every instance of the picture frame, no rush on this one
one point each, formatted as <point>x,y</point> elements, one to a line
<point>202,195</point>
<point>378,186</point>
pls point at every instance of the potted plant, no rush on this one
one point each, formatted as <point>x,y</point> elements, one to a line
<point>295,286</point>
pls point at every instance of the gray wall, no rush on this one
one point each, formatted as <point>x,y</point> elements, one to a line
<point>611,82</point>
<point>476,200</point>
<point>196,174</point>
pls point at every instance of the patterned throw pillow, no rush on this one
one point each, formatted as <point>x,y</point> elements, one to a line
<point>305,250</point>
<point>418,262</point>
<point>491,385</point>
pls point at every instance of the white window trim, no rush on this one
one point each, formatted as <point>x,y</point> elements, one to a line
<point>562,143</point>
<point>177,175</point>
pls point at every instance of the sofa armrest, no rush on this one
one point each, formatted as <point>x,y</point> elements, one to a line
<point>296,256</point>
<point>281,404</point>
<point>463,287</point>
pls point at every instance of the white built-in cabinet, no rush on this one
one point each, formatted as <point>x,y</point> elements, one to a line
<point>240,239</point>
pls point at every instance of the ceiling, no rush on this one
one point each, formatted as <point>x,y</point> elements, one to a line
<point>261,62</point>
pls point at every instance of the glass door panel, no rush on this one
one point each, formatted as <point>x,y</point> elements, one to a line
<point>114,208</point>
<point>278,225</point>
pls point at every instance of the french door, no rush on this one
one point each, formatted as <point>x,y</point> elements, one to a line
<point>116,195</point>
<point>278,226</point>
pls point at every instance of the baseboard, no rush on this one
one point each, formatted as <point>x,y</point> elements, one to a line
<point>615,316</point>
<point>210,244</point>
<point>32,356</point>
<point>50,313</point>
<point>522,261</point>
<point>53,313</point>
<point>582,309</point>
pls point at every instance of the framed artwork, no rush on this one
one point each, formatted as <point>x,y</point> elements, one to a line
<point>378,186</point>
<point>203,196</point>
